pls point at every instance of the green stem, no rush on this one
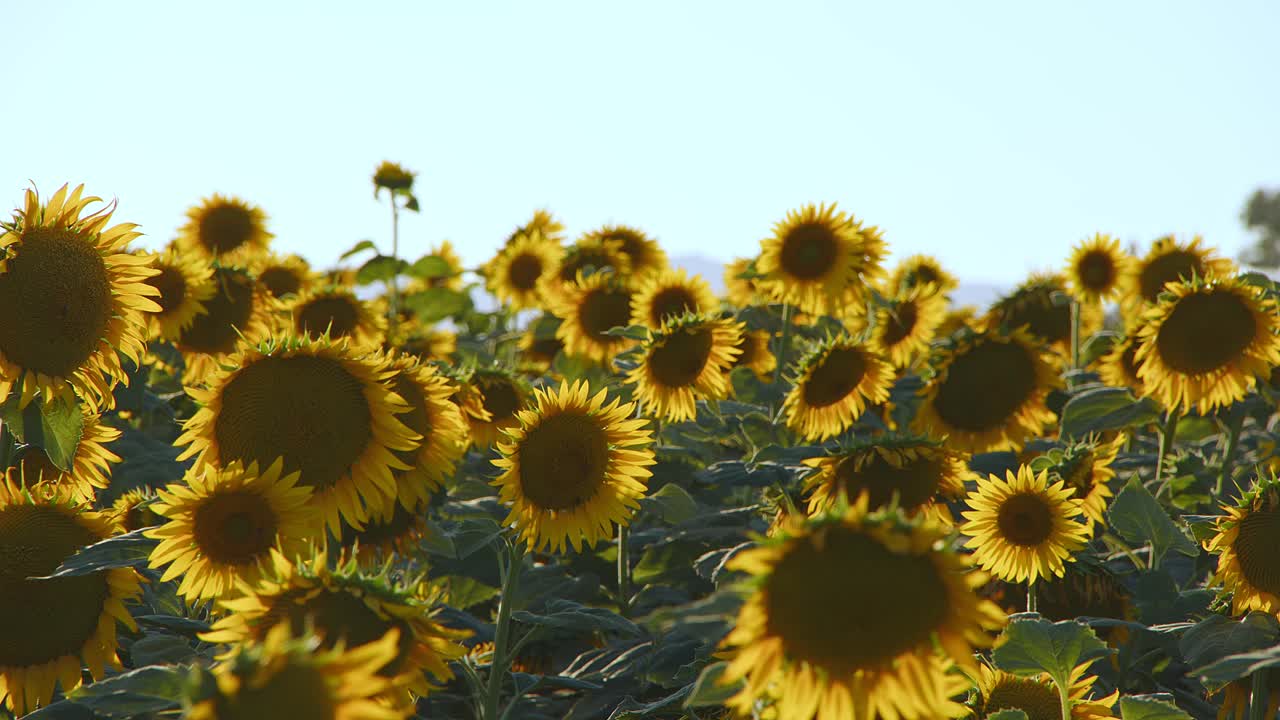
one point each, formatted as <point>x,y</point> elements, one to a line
<point>1229,455</point>
<point>6,446</point>
<point>501,661</point>
<point>624,570</point>
<point>1032,605</point>
<point>1166,443</point>
<point>784,343</point>
<point>1064,697</point>
<point>1259,696</point>
<point>394,311</point>
<point>1075,336</point>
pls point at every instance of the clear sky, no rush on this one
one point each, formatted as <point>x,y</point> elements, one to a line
<point>993,135</point>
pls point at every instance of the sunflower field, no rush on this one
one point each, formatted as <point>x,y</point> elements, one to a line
<point>575,483</point>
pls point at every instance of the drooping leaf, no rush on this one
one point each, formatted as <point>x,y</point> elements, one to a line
<point>1031,645</point>
<point>707,690</point>
<point>430,266</point>
<point>672,503</point>
<point>1217,637</point>
<point>1139,518</point>
<point>435,304</point>
<point>127,550</point>
<point>1106,408</point>
<point>569,615</point>
<point>380,268</point>
<point>151,689</point>
<point>54,426</point>
<point>1235,667</point>
<point>358,248</point>
<point>631,332</point>
<point>1151,707</point>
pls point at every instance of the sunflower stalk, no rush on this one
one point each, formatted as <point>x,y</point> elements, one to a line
<point>509,566</point>
<point>624,570</point>
<point>1259,695</point>
<point>784,343</point>
<point>1166,443</point>
<point>1075,338</point>
<point>393,311</point>
<point>1032,605</point>
<point>1229,454</point>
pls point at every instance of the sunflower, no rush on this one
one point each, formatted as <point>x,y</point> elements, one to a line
<point>827,643</point>
<point>741,292</point>
<point>183,285</point>
<point>588,309</point>
<point>513,274</point>
<point>596,257</point>
<point>815,255</point>
<point>133,510</point>
<point>1086,470</point>
<point>284,276</point>
<point>537,352</point>
<point>644,254</point>
<point>573,467</point>
<point>918,270</point>
<point>392,176</point>
<point>1205,342</point>
<point>452,281</point>
<point>52,627</point>
<point>337,313</point>
<point>294,678</point>
<point>686,360</point>
<point>1237,694</point>
<point>835,382</point>
<point>430,343</point>
<point>1023,528</point>
<point>542,222</point>
<point>1245,542</point>
<point>90,462</point>
<point>905,326</point>
<point>327,411</point>
<point>914,474</point>
<point>668,294</point>
<point>226,229</point>
<point>956,319</point>
<point>1168,261</point>
<point>1095,268</point>
<point>73,299</point>
<point>437,420</point>
<point>239,309</point>
<point>1034,305</point>
<point>339,276</point>
<point>1038,697</point>
<point>754,354</point>
<point>1119,367</point>
<point>987,392</point>
<point>386,533</point>
<point>500,395</point>
<point>345,605</point>
<point>221,524</point>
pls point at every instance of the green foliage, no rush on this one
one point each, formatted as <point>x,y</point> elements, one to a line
<point>54,426</point>
<point>1103,408</point>
<point>1139,518</point>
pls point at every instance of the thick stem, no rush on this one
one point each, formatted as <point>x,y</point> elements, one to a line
<point>1259,696</point>
<point>394,311</point>
<point>784,343</point>
<point>1064,697</point>
<point>1166,443</point>
<point>624,570</point>
<point>1032,605</point>
<point>501,661</point>
<point>1075,336</point>
<point>1229,455</point>
<point>6,446</point>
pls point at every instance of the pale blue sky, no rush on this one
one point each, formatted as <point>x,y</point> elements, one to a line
<point>993,135</point>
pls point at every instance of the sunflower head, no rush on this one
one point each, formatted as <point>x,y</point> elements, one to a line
<point>914,474</point>
<point>588,309</point>
<point>452,280</point>
<point>668,294</point>
<point>539,351</point>
<point>587,257</point>
<point>337,313</point>
<point>286,276</point>
<point>816,255</point>
<point>542,223</point>
<point>1095,269</point>
<point>1085,469</point>
<point>133,510</point>
<point>644,254</point>
<point>514,275</point>
<point>1245,543</point>
<point>392,176</point>
<point>688,359</point>
<point>184,283</point>
<point>754,354</point>
<point>239,310</point>
<point>987,391</point>
<point>919,270</point>
<point>904,327</point>
<point>54,627</point>
<point>835,382</point>
<point>225,228</point>
<point>500,395</point>
<point>1022,527</point>
<point>741,291</point>
<point>957,319</point>
<point>819,639</point>
<point>74,299</point>
<point>386,533</point>
<point>574,466</point>
<point>433,417</point>
<point>1119,367</point>
<point>430,343</point>
<point>1040,305</point>
<point>1037,696</point>
<point>1168,261</point>
<point>91,461</point>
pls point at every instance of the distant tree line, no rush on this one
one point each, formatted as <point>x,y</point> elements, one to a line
<point>1262,215</point>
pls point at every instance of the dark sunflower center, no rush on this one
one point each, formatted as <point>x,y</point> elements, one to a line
<point>633,246</point>
<point>337,616</point>
<point>985,386</point>
<point>681,358</point>
<point>900,323</point>
<point>309,410</point>
<point>1025,520</point>
<point>1205,332</point>
<point>296,691</point>
<point>500,397</point>
<point>671,303</point>
<point>1080,593</point>
<point>55,296</point>
<point>545,349</point>
<point>228,310</point>
<point>34,465</point>
<point>563,460</point>
<point>1096,271</point>
<point>603,309</point>
<point>828,614</point>
<point>809,251</point>
<point>834,377</point>
<point>380,532</point>
<point>280,281</point>
<point>1078,474</point>
<point>915,482</point>
<point>749,346</point>
<point>336,314</point>
<point>42,620</point>
<point>418,419</point>
<point>1036,310</point>
<point>524,271</point>
<point>1038,700</point>
<point>172,285</point>
<point>235,527</point>
<point>923,274</point>
<point>584,258</point>
<point>140,516</point>
<point>1255,545</point>
<point>224,228</point>
<point>1170,267</point>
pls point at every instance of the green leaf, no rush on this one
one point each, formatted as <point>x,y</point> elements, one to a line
<point>435,304</point>
<point>431,266</point>
<point>1106,408</point>
<point>1139,518</point>
<point>1217,636</point>
<point>1097,346</point>
<point>569,615</point>
<point>673,504</point>
<point>1031,645</point>
<point>1235,667</point>
<point>462,592</point>
<point>161,649</point>
<point>55,426</point>
<point>150,689</point>
<point>128,550</point>
<point>358,248</point>
<point>632,332</point>
<point>380,268</point>
<point>412,203</point>
<point>1151,707</point>
<point>707,690</point>
<point>525,681</point>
